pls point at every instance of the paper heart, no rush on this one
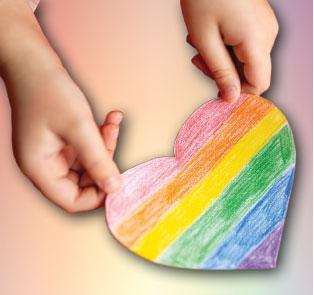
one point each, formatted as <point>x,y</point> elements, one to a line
<point>221,202</point>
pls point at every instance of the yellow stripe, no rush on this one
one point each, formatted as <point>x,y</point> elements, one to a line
<point>194,204</point>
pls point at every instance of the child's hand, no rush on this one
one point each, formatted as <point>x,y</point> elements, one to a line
<point>56,141</point>
<point>248,26</point>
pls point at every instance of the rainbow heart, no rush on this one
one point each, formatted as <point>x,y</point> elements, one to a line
<point>221,202</point>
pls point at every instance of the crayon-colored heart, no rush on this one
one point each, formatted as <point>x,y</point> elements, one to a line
<point>221,202</point>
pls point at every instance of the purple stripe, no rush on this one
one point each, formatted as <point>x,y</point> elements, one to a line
<point>265,255</point>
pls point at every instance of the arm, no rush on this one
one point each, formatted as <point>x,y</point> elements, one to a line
<point>56,141</point>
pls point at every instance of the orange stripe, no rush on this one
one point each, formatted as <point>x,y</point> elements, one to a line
<point>248,114</point>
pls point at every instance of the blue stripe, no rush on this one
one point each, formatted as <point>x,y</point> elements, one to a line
<point>254,227</point>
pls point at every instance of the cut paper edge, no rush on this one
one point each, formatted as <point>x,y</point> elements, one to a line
<point>270,244</point>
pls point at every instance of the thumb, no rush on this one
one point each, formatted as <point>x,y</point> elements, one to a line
<point>86,139</point>
<point>221,66</point>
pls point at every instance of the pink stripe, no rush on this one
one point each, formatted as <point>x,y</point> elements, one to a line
<point>141,181</point>
<point>214,113</point>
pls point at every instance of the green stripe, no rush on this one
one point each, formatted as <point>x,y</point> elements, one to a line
<point>242,193</point>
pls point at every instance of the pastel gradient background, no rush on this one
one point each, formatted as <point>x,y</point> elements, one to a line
<point>132,55</point>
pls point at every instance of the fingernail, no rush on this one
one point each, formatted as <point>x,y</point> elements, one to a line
<point>115,133</point>
<point>230,93</point>
<point>120,118</point>
<point>112,184</point>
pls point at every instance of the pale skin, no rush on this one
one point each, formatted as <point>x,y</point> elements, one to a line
<point>249,27</point>
<point>56,141</point>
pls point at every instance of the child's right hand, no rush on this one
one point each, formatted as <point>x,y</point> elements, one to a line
<point>56,141</point>
<point>249,27</point>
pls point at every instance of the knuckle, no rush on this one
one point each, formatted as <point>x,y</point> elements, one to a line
<point>27,157</point>
<point>221,73</point>
<point>79,122</point>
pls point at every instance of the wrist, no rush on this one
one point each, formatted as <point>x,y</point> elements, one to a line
<point>23,47</point>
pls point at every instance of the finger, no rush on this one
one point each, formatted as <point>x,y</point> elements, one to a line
<point>71,157</point>
<point>189,40</point>
<point>256,69</point>
<point>51,175</point>
<point>110,134</point>
<point>86,139</point>
<point>85,180</point>
<point>220,65</point>
<point>114,117</point>
<point>77,167</point>
<point>110,130</point>
<point>198,61</point>
<point>69,154</point>
<point>70,197</point>
<point>74,176</point>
